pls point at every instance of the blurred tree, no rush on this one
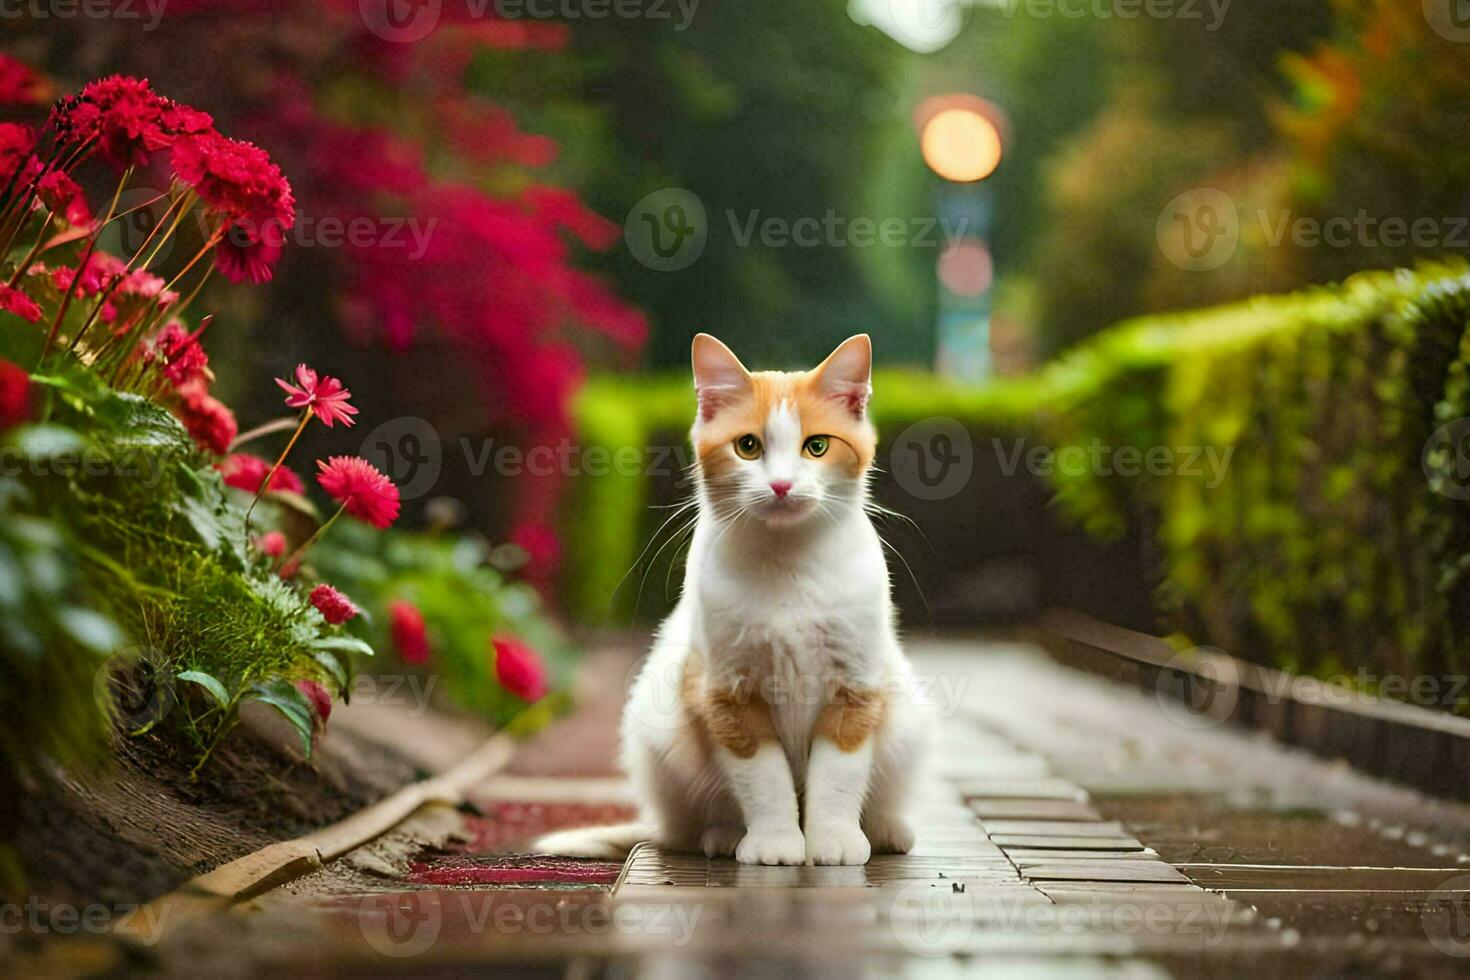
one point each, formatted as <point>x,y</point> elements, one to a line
<point>764,110</point>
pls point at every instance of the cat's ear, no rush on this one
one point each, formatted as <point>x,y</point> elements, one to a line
<point>719,377</point>
<point>847,373</point>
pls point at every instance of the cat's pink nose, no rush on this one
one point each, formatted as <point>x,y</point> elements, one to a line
<point>780,487</point>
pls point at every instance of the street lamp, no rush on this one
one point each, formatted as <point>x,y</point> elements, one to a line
<point>961,139</point>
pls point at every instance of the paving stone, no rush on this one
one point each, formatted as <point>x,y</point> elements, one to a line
<point>1054,828</point>
<point>1129,871</point>
<point>1017,809</point>
<point>1074,843</point>
<point>1019,854</point>
<point>1031,789</point>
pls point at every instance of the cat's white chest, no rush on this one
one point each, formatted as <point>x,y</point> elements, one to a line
<point>795,619</point>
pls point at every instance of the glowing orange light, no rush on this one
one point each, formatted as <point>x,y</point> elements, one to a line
<point>960,144</point>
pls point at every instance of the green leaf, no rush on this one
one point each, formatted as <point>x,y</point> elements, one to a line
<point>283,696</point>
<point>209,683</point>
<point>344,644</point>
<point>334,669</point>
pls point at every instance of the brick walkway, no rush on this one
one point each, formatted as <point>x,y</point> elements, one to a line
<point>1072,824</point>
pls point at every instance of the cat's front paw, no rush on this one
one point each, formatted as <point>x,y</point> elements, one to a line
<point>889,835</point>
<point>772,846</point>
<point>836,844</point>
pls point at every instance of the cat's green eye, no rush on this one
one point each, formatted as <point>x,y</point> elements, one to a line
<point>748,447</point>
<point>817,446</point>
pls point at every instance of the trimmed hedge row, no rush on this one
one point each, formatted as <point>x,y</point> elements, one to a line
<point>1336,539</point>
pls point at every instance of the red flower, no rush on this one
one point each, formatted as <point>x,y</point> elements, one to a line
<point>243,255</point>
<point>99,271</point>
<point>179,351</point>
<point>124,115</point>
<point>406,626</point>
<point>64,197</point>
<point>18,84</point>
<point>272,544</point>
<point>542,547</point>
<point>321,701</point>
<point>237,180</point>
<point>335,607</point>
<point>16,143</point>
<point>15,395</point>
<point>368,494</point>
<point>209,422</point>
<point>326,397</point>
<point>520,669</point>
<point>17,302</point>
<point>246,472</point>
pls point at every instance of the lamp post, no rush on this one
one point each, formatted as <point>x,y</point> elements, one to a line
<point>961,139</point>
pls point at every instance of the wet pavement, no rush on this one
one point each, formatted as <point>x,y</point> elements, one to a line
<point>1072,825</point>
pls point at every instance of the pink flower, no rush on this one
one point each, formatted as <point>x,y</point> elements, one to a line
<point>520,669</point>
<point>246,472</point>
<point>410,636</point>
<point>15,395</point>
<point>272,544</point>
<point>18,84</point>
<point>325,397</point>
<point>207,419</point>
<point>64,197</point>
<point>367,493</point>
<point>17,302</point>
<point>320,700</point>
<point>335,607</point>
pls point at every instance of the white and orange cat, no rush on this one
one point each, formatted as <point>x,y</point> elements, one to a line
<point>775,720</point>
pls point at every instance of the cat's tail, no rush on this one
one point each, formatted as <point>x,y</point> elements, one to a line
<point>611,843</point>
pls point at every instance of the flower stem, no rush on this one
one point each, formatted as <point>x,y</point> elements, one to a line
<point>295,556</point>
<point>25,263</point>
<point>76,280</point>
<point>301,426</point>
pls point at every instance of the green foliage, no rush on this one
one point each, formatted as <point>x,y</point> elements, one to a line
<point>54,644</point>
<point>466,601</point>
<point>160,547</point>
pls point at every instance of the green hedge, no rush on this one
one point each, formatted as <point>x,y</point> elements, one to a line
<point>1327,544</point>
